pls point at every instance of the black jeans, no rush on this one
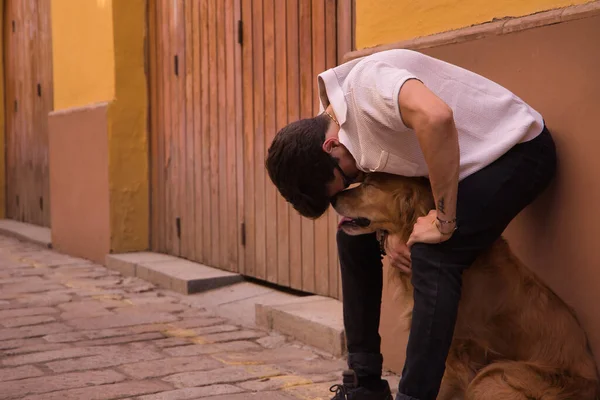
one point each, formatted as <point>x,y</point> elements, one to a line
<point>487,201</point>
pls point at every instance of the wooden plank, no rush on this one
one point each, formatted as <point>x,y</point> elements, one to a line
<point>281,107</point>
<point>214,131</point>
<point>179,171</point>
<point>259,139</point>
<point>330,62</point>
<point>271,242</point>
<point>293,95</point>
<point>153,78</point>
<point>9,87</point>
<point>188,213</point>
<point>248,109</point>
<point>239,144</point>
<point>34,141</point>
<point>306,111</point>
<point>168,72</point>
<point>345,33</point>
<point>49,96</point>
<point>197,133</point>
<point>28,148</point>
<point>321,224</point>
<point>205,92</point>
<point>222,134</point>
<point>160,110</point>
<point>231,217</point>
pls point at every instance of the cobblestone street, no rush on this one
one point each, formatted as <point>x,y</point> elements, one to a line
<point>73,330</point>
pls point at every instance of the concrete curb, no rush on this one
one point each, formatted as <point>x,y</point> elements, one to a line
<point>27,232</point>
<point>170,272</point>
<point>314,320</point>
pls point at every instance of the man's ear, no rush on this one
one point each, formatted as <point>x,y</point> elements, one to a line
<point>330,144</point>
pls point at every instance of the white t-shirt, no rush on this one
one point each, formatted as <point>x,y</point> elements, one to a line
<point>364,95</point>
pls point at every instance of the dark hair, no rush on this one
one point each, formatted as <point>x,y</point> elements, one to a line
<point>299,167</point>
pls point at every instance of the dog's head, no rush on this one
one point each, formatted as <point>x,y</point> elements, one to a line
<point>383,202</point>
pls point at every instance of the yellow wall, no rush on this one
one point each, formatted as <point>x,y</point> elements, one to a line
<point>386,21</point>
<point>83,60</point>
<point>128,132</point>
<point>98,55</point>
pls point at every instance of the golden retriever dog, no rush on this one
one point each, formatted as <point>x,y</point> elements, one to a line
<point>514,338</point>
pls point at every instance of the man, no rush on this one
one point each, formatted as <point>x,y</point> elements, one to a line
<point>487,155</point>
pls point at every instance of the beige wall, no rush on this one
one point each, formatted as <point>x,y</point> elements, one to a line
<point>555,69</point>
<point>78,148</point>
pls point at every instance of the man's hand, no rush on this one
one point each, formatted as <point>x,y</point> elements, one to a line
<point>426,231</point>
<point>398,253</point>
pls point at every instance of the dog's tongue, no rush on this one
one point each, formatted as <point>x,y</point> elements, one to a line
<point>343,220</point>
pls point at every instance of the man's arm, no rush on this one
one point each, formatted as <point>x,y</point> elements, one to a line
<point>432,121</point>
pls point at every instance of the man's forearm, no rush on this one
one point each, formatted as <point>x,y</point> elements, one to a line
<point>439,143</point>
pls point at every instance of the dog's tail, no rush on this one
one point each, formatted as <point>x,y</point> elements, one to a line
<point>516,380</point>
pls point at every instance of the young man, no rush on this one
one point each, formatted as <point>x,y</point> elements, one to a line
<point>487,155</point>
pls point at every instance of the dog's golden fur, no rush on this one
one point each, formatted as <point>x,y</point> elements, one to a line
<point>514,338</point>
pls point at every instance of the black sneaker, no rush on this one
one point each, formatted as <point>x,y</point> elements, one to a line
<point>349,389</point>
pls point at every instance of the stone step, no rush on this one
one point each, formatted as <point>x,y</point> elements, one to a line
<point>27,232</point>
<point>170,272</point>
<point>314,320</point>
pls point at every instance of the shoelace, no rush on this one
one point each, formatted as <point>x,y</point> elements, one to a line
<point>339,390</point>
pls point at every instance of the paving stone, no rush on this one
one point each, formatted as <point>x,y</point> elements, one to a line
<point>193,393</point>
<point>312,391</point>
<point>151,369</point>
<point>206,330</point>
<point>272,341</point>
<point>24,312</point>
<point>301,367</point>
<point>25,321</point>
<point>33,331</point>
<point>45,299</point>
<point>210,349</point>
<point>120,320</point>
<point>231,336</point>
<point>283,382</point>
<point>103,392</point>
<point>36,348</point>
<point>65,337</point>
<point>151,328</point>
<point>46,356</point>
<point>14,343</point>
<point>141,337</point>
<point>27,287</point>
<point>108,357</point>
<point>171,342</point>
<point>198,322</point>
<point>25,371</point>
<point>259,396</point>
<point>272,356</point>
<point>44,384</point>
<point>90,314</point>
<point>222,375</point>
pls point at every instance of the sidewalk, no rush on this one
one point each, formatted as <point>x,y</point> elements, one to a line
<point>73,330</point>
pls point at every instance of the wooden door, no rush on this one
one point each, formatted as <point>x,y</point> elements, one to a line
<point>195,108</point>
<point>29,99</point>
<point>286,44</point>
<point>225,76</point>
